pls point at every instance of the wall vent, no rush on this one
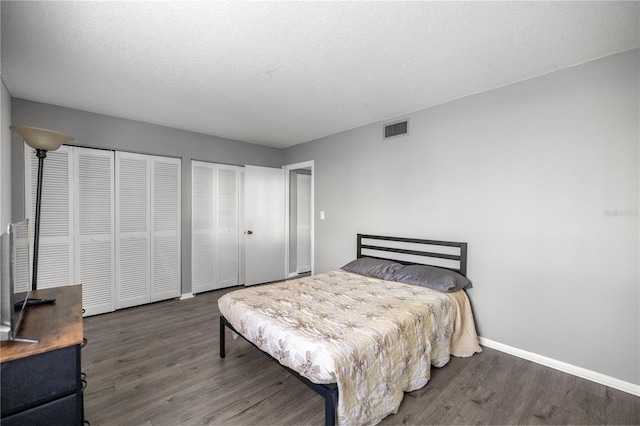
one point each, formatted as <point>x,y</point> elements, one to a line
<point>396,129</point>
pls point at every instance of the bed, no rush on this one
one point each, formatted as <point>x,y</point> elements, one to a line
<point>365,334</point>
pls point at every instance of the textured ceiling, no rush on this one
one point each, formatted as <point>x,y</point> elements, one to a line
<point>283,73</point>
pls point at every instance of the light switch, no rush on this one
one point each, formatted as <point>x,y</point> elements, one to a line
<point>322,215</point>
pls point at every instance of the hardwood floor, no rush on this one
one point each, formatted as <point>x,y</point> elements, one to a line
<point>158,364</point>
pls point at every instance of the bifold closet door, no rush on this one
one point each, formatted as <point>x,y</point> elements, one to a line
<point>21,272</point>
<point>133,250</point>
<point>227,229</point>
<point>94,228</point>
<point>147,229</point>
<point>165,228</point>
<point>203,235</point>
<point>77,229</point>
<point>216,241</point>
<point>56,248</point>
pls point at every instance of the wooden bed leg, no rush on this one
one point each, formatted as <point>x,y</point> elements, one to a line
<point>330,408</point>
<point>222,333</point>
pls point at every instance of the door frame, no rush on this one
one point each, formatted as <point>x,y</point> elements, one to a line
<point>287,219</point>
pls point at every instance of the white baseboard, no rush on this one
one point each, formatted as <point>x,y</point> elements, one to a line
<point>185,296</point>
<point>594,376</point>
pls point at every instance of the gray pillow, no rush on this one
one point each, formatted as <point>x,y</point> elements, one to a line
<point>432,277</point>
<point>370,267</point>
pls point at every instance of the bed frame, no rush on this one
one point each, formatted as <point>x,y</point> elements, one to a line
<point>437,250</point>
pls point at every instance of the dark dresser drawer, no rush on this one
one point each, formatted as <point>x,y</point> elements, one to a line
<point>39,379</point>
<point>62,412</point>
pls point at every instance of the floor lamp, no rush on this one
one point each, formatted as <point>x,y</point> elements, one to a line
<point>42,141</point>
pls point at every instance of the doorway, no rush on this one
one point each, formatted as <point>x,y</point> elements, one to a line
<point>299,219</point>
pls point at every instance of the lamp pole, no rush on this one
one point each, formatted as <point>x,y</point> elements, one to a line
<point>41,154</point>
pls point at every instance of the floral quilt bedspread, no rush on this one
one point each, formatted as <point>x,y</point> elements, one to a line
<point>376,339</point>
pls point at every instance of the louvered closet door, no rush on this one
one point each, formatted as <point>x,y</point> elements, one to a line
<point>94,228</point>
<point>55,259</point>
<point>203,236</point>
<point>165,228</point>
<point>21,270</point>
<point>228,226</point>
<point>132,230</point>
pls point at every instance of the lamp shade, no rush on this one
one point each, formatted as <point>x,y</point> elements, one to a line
<point>41,138</point>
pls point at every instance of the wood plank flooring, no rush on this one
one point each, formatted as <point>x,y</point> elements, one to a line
<point>158,364</point>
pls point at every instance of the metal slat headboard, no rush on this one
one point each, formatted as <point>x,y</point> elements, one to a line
<point>460,258</point>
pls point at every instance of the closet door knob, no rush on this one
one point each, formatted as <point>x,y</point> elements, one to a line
<point>249,232</point>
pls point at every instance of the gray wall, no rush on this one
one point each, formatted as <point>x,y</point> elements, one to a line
<point>539,177</point>
<point>5,158</point>
<point>100,131</point>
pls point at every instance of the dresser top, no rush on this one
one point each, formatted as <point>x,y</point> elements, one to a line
<point>54,326</point>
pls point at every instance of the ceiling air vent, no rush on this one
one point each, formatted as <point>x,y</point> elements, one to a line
<point>396,129</point>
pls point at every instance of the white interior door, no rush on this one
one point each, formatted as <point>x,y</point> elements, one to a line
<point>94,228</point>
<point>264,224</point>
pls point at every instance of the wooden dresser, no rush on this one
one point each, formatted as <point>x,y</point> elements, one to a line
<point>40,383</point>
